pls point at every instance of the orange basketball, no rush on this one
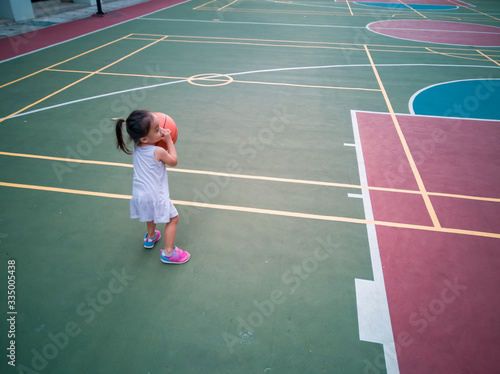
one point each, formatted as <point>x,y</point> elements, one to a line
<point>167,123</point>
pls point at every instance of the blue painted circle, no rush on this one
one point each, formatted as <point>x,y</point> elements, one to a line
<point>414,6</point>
<point>475,98</point>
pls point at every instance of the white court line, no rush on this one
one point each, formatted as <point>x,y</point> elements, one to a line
<point>249,23</point>
<point>414,96</point>
<point>180,81</point>
<point>349,145</point>
<point>355,195</point>
<point>236,74</point>
<point>439,43</point>
<point>89,33</point>
<point>310,5</point>
<point>460,31</point>
<point>374,320</point>
<point>426,116</point>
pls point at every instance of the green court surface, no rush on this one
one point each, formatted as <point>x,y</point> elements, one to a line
<point>268,187</point>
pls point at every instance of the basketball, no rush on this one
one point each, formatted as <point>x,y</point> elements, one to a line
<point>168,123</point>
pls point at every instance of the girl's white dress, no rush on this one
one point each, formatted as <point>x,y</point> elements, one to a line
<point>150,196</point>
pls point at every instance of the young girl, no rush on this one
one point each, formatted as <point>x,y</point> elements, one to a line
<point>150,197</point>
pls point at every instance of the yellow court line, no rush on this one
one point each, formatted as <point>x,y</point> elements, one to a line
<point>488,57</point>
<point>462,55</point>
<point>266,44</point>
<point>79,80</point>
<point>349,5</point>
<point>310,86</point>
<point>408,154</point>
<point>65,190</point>
<point>256,177</point>
<point>117,74</point>
<point>352,48</point>
<point>171,38</point>
<point>360,13</point>
<point>262,44</point>
<point>306,12</point>
<point>62,62</point>
<point>264,211</point>
<point>465,197</point>
<point>70,160</point>
<point>474,10</point>
<point>271,11</point>
<point>199,6</point>
<point>412,9</point>
<point>231,3</point>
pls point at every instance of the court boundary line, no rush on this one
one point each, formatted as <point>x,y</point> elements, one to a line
<point>282,213</point>
<point>92,32</point>
<point>373,293</point>
<point>276,11</point>
<point>320,45</point>
<point>234,74</point>
<point>249,23</point>
<point>258,177</point>
<point>81,79</point>
<point>409,156</point>
<point>212,77</point>
<point>416,49</point>
<point>62,62</point>
<point>361,45</point>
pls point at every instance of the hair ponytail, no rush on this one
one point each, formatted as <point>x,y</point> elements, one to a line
<point>137,125</point>
<point>120,143</point>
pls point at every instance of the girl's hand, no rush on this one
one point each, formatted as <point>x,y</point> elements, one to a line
<point>165,135</point>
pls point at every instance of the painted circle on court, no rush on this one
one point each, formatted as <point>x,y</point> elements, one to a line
<point>471,98</point>
<point>210,78</point>
<point>441,32</point>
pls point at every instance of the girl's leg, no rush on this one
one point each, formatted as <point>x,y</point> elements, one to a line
<point>151,229</point>
<point>170,230</point>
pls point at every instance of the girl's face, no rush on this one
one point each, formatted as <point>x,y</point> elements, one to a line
<point>154,134</point>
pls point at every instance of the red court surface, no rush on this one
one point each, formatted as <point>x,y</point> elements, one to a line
<point>31,41</point>
<point>442,291</point>
<point>442,287</point>
<point>443,32</point>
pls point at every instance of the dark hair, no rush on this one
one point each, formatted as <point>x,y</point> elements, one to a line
<point>137,125</point>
